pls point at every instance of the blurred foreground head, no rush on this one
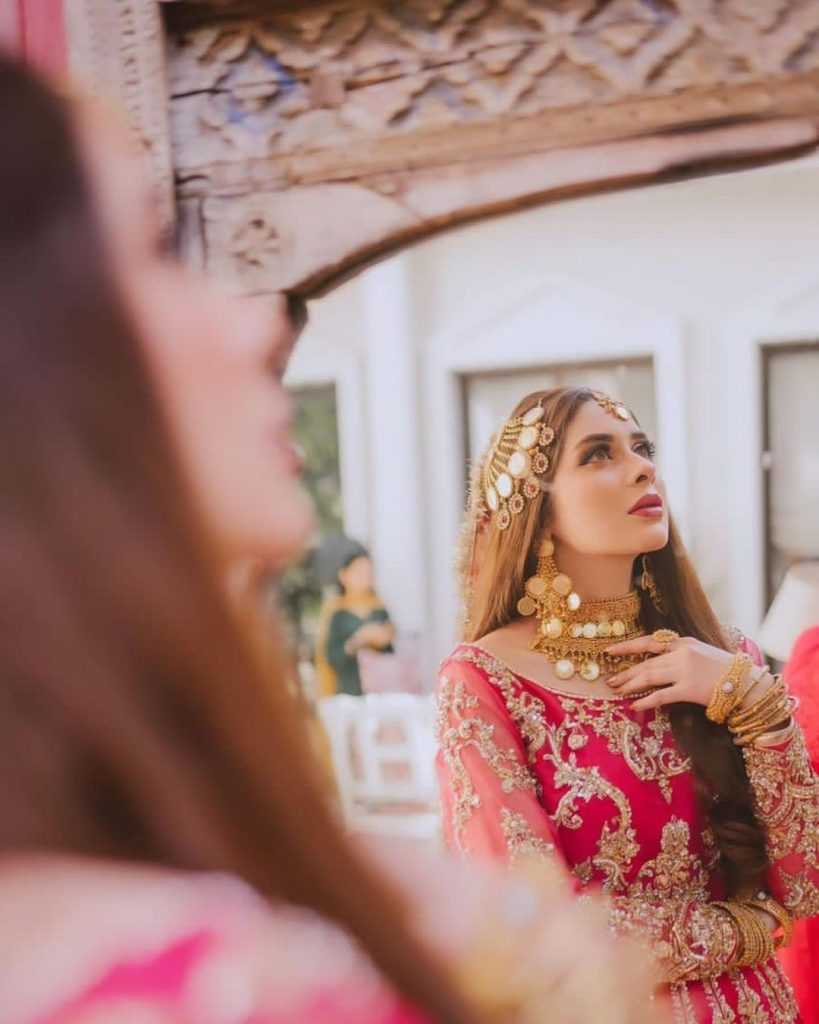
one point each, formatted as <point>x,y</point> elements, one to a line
<point>144,443</point>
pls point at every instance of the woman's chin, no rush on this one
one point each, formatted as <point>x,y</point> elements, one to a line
<point>655,536</point>
<point>277,532</point>
<point>292,529</point>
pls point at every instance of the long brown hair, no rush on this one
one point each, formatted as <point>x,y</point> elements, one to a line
<point>496,569</point>
<point>135,722</point>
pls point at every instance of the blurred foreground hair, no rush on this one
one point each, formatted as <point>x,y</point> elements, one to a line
<point>135,722</point>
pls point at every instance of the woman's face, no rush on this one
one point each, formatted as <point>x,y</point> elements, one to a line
<point>218,364</point>
<point>607,498</point>
<point>357,577</point>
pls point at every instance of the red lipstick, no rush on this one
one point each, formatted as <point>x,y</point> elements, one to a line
<point>649,506</point>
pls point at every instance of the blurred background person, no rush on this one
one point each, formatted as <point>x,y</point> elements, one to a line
<point>145,765</point>
<point>352,621</point>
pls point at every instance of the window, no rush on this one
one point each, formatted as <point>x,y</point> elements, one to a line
<point>490,397</point>
<point>315,429</point>
<point>791,457</point>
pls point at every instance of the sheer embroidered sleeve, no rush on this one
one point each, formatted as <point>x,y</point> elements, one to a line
<point>786,798</point>
<point>786,795</point>
<point>489,792</point>
<point>691,939</point>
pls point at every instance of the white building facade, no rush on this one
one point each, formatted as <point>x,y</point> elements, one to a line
<point>677,298</point>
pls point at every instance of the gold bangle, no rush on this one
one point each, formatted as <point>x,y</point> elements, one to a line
<point>758,708</point>
<point>776,715</point>
<point>771,906</point>
<point>755,942</point>
<point>762,944</point>
<point>748,737</point>
<point>777,736</point>
<point>726,693</point>
<point>754,682</point>
<point>771,710</point>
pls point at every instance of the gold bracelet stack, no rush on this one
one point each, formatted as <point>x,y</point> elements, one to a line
<point>772,711</point>
<point>755,943</point>
<point>778,736</point>
<point>763,901</point>
<point>732,689</point>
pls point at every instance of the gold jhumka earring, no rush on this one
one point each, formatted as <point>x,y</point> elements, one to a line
<point>574,634</point>
<point>649,585</point>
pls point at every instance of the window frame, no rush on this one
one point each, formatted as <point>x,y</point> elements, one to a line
<point>769,352</point>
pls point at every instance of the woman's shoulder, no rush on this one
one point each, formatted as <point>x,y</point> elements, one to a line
<point>481,671</point>
<point>114,937</point>
<point>469,661</point>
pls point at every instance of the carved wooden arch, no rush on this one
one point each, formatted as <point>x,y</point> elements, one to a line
<point>295,142</point>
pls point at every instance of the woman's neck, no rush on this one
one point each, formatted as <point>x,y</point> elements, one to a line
<point>596,577</point>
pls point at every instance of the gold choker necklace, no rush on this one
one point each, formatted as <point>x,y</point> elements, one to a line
<point>572,633</point>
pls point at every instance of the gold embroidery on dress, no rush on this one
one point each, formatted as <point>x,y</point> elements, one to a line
<point>648,757</point>
<point>459,729</point>
<point>668,900</point>
<point>684,1012</point>
<point>676,870</point>
<point>749,1004</point>
<point>780,987</point>
<point>786,794</point>
<point>721,1012</point>
<point>692,940</point>
<point>521,841</point>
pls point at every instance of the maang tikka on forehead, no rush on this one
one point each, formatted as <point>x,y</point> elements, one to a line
<point>517,456</point>
<point>612,406</point>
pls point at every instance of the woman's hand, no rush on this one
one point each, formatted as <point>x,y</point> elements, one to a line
<point>684,670</point>
<point>375,635</point>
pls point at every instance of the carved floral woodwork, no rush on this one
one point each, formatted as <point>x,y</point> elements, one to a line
<point>307,138</point>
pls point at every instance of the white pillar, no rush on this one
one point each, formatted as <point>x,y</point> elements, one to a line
<point>394,446</point>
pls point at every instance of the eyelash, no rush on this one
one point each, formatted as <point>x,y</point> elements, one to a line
<point>649,451</point>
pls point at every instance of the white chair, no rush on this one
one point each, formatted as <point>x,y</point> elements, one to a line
<point>383,749</point>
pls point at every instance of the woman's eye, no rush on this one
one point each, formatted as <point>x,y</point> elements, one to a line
<point>596,454</point>
<point>646,449</point>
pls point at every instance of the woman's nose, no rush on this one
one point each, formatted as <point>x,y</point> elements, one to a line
<point>266,330</point>
<point>644,469</point>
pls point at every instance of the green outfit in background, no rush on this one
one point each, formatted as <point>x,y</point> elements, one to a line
<point>344,624</point>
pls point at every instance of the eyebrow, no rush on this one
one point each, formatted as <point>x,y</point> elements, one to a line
<point>638,435</point>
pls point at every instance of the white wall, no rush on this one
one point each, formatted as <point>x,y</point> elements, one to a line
<point>696,274</point>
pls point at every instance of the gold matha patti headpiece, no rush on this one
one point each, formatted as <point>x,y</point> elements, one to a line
<point>517,457</point>
<point>612,406</point>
